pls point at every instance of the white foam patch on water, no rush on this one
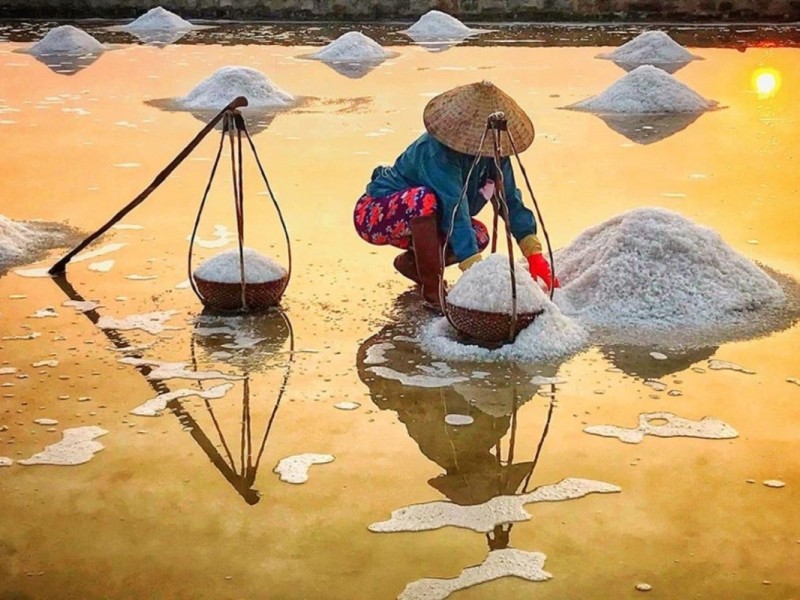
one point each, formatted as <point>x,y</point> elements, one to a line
<point>225,267</point>
<point>68,40</point>
<point>294,469</point>
<point>486,286</point>
<point>127,226</point>
<point>158,19</point>
<point>222,237</point>
<point>45,363</point>
<point>724,365</point>
<point>458,420</point>
<point>166,370</point>
<point>21,338</point>
<point>44,313</point>
<point>78,446</point>
<point>647,90</point>
<point>154,406</point>
<point>353,46</point>
<point>44,421</point>
<point>81,305</point>
<point>506,562</point>
<point>667,424</point>
<point>5,461</point>
<point>136,277</point>
<point>653,268</point>
<point>483,518</point>
<point>418,380</point>
<point>101,251</point>
<point>215,92</point>
<point>152,322</point>
<point>347,405</point>
<point>551,336</point>
<point>436,24</point>
<point>8,370</point>
<point>650,48</point>
<point>774,483</point>
<point>104,266</point>
<point>376,354</point>
<point>541,380</point>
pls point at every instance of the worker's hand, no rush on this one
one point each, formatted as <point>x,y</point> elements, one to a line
<point>487,191</point>
<point>539,267</point>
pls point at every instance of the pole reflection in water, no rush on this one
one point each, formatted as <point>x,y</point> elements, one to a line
<point>241,476</point>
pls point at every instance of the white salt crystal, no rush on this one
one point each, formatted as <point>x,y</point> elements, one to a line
<point>160,19</point>
<point>347,405</point>
<point>654,268</point>
<point>774,483</point>
<point>7,370</point>
<point>225,268</point>
<point>215,92</point>
<point>659,355</point>
<point>76,447</point>
<point>650,48</point>
<point>81,305</point>
<point>643,587</point>
<point>724,365</point>
<point>294,469</point>
<point>376,354</point>
<point>66,39</point>
<point>458,420</point>
<point>353,46</point>
<point>666,424</point>
<point>646,90</point>
<point>45,363</point>
<point>104,266</point>
<point>45,421</point>
<point>5,461</point>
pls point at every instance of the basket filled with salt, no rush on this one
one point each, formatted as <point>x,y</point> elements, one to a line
<point>480,305</point>
<point>219,280</point>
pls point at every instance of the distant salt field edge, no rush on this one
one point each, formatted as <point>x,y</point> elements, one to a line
<point>24,242</point>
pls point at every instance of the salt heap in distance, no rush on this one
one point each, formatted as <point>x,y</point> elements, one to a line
<point>158,19</point>
<point>654,48</point>
<point>216,91</point>
<point>66,40</point>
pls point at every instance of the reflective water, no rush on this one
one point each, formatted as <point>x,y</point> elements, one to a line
<point>186,505</point>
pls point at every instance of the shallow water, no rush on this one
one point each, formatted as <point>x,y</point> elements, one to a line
<point>186,505</point>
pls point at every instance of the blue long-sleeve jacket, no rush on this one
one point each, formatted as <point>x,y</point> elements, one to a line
<point>427,162</point>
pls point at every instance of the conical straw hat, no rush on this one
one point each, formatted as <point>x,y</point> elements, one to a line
<point>457,118</point>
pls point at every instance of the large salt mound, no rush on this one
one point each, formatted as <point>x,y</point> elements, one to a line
<point>647,90</point>
<point>224,268</point>
<point>650,48</point>
<point>436,24</point>
<point>654,269</point>
<point>352,46</point>
<point>66,39</point>
<point>486,286</point>
<point>160,19</point>
<point>215,92</point>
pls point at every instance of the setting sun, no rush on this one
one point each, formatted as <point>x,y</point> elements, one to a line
<point>766,81</point>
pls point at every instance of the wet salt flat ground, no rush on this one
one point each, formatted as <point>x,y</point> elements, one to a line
<point>189,504</point>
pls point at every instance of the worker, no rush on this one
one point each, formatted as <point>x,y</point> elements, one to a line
<point>416,202</point>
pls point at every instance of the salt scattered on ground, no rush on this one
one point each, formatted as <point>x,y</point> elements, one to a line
<point>166,370</point>
<point>435,24</point>
<point>215,92</point>
<point>347,405</point>
<point>376,354</point>
<point>294,469</point>
<point>667,424</point>
<point>646,90</point>
<point>643,587</point>
<point>21,242</point>
<point>45,363</point>
<point>76,447</point>
<point>506,562</point>
<point>68,40</point>
<point>44,313</point>
<point>774,483</point>
<point>650,48</point>
<point>104,266</point>
<point>654,269</point>
<point>222,237</point>
<point>45,421</point>
<point>353,46</point>
<point>152,322</point>
<point>153,407</point>
<point>542,380</point>
<point>484,517</point>
<point>8,370</point>
<point>158,19</point>
<point>81,305</point>
<point>724,365</point>
<point>225,268</point>
<point>424,380</point>
<point>458,420</point>
<point>5,461</point>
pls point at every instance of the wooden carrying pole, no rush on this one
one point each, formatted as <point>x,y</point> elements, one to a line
<point>61,265</point>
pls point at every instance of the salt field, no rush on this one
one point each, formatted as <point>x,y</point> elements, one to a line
<point>639,437</point>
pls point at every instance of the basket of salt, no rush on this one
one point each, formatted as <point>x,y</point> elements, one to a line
<point>480,304</point>
<point>219,279</point>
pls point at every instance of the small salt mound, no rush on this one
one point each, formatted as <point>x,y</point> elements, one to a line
<point>215,92</point>
<point>158,18</point>
<point>646,90</point>
<point>486,286</point>
<point>225,268</point>
<point>352,46</point>
<point>436,24</point>
<point>650,48</point>
<point>66,39</point>
<point>15,240</point>
<point>654,268</point>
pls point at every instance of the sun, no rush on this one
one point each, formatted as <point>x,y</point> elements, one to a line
<point>766,81</point>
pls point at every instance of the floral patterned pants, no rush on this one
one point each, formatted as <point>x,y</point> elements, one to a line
<point>387,221</point>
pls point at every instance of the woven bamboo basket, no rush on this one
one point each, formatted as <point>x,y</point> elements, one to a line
<point>487,327</point>
<point>227,297</point>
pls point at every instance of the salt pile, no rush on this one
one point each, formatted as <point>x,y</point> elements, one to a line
<point>650,48</point>
<point>435,24</point>
<point>158,19</point>
<point>653,268</point>
<point>225,268</point>
<point>646,90</point>
<point>66,39</point>
<point>486,286</point>
<point>216,91</point>
<point>21,242</point>
<point>353,46</point>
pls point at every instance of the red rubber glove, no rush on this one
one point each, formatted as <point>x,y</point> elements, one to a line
<point>540,268</point>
